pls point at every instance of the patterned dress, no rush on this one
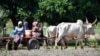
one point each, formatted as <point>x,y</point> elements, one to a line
<point>18,34</point>
<point>36,30</point>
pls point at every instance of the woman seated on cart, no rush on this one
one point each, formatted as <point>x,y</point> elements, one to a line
<point>19,34</point>
<point>36,29</point>
<point>19,31</point>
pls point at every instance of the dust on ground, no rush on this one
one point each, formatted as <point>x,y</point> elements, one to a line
<point>53,52</point>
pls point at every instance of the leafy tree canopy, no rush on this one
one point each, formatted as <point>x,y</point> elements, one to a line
<point>50,11</point>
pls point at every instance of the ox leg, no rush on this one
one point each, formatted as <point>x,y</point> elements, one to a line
<point>53,40</point>
<point>66,44</point>
<point>50,42</point>
<point>62,42</point>
<point>76,43</point>
<point>56,42</point>
<point>66,40</point>
<point>59,35</point>
<point>47,43</point>
<point>81,43</point>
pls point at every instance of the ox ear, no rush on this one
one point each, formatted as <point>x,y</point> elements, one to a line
<point>94,21</point>
<point>87,20</point>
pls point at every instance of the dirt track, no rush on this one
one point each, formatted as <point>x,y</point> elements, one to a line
<point>53,52</point>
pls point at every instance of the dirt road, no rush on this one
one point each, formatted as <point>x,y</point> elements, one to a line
<point>53,52</point>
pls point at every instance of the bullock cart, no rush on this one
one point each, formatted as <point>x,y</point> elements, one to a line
<point>28,40</point>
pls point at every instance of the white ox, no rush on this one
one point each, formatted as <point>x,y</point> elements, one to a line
<point>51,34</point>
<point>76,31</point>
<point>51,31</point>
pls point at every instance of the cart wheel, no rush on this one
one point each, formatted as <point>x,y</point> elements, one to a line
<point>33,44</point>
<point>9,45</point>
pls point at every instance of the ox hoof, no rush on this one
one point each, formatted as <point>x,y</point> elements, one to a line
<point>65,47</point>
<point>75,47</point>
<point>62,48</point>
<point>47,47</point>
<point>55,47</point>
<point>82,47</point>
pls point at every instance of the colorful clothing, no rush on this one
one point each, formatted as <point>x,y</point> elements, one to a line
<point>19,33</point>
<point>36,29</point>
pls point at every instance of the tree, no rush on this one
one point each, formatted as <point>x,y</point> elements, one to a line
<point>19,8</point>
<point>55,10</point>
<point>50,11</point>
<point>3,14</point>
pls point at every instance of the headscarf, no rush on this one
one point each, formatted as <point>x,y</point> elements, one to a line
<point>35,23</point>
<point>19,22</point>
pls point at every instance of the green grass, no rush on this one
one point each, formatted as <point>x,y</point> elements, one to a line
<point>97,30</point>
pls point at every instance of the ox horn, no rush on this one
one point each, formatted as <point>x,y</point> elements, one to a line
<point>94,21</point>
<point>87,21</point>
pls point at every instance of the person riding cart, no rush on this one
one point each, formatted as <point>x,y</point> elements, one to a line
<point>19,34</point>
<point>37,35</point>
<point>36,29</point>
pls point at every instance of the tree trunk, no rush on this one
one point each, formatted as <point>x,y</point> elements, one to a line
<point>13,19</point>
<point>13,9</point>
